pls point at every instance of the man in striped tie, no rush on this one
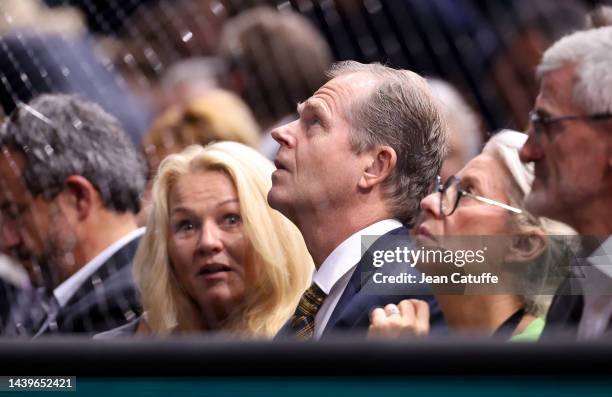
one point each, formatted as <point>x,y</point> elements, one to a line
<point>364,151</point>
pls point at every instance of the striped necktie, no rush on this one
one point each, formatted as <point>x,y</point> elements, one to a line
<point>303,320</point>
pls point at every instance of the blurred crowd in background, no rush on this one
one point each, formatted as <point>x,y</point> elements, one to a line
<point>175,73</point>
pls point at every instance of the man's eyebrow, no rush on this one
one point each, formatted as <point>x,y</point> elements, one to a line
<point>312,106</point>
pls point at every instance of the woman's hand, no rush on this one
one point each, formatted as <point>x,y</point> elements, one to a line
<point>409,317</point>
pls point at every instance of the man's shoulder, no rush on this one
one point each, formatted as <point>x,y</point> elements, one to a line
<point>127,330</point>
<point>363,293</point>
<point>565,312</point>
<point>114,274</point>
<point>106,299</point>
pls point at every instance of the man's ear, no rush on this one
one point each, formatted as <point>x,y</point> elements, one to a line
<point>82,195</point>
<point>381,163</point>
<point>527,246</point>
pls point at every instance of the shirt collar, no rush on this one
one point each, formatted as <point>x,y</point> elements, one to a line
<point>345,256</point>
<point>68,288</point>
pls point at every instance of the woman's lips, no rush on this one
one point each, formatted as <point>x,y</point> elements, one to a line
<point>423,231</point>
<point>211,271</point>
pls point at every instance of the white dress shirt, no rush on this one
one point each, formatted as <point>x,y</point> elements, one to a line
<point>70,286</point>
<point>336,271</point>
<point>597,306</point>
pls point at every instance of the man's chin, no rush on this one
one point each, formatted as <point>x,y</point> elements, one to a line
<point>276,200</point>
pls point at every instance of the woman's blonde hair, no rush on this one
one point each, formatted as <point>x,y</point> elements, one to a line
<point>278,250</point>
<point>219,115</point>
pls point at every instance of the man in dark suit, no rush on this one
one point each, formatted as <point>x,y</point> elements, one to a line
<point>71,182</point>
<point>570,142</point>
<point>362,154</point>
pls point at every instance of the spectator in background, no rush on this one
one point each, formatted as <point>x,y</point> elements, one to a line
<point>154,35</point>
<point>70,183</point>
<point>189,79</point>
<point>445,38</point>
<point>365,150</point>
<point>482,207</point>
<point>525,29</point>
<point>599,17</point>
<point>215,257</point>
<point>218,115</point>
<point>464,132</point>
<point>571,145</point>
<point>276,59</point>
<point>33,63</point>
<point>29,14</point>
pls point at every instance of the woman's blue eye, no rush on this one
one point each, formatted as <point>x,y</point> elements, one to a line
<point>232,219</point>
<point>184,226</point>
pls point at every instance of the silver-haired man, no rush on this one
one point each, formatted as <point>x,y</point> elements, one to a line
<point>570,142</point>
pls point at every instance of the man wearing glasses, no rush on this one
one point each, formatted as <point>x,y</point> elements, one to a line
<point>570,142</point>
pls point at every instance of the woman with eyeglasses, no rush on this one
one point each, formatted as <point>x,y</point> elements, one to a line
<point>479,210</point>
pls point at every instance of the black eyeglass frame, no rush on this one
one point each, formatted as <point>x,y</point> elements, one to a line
<point>540,122</point>
<point>440,188</point>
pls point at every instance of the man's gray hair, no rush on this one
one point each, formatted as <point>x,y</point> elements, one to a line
<point>63,135</point>
<point>591,52</point>
<point>401,113</point>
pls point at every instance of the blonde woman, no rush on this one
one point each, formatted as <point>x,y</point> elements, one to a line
<point>215,256</point>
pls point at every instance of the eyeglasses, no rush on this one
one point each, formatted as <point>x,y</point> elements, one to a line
<point>451,193</point>
<point>540,123</point>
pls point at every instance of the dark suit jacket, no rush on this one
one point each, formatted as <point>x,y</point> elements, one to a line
<point>8,293</point>
<point>352,312</point>
<point>565,313</point>
<point>107,299</point>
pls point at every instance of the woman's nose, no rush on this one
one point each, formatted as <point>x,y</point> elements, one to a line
<point>210,239</point>
<point>430,205</point>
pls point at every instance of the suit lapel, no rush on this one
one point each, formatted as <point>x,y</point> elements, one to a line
<point>93,294</point>
<point>119,260</point>
<point>355,284</point>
